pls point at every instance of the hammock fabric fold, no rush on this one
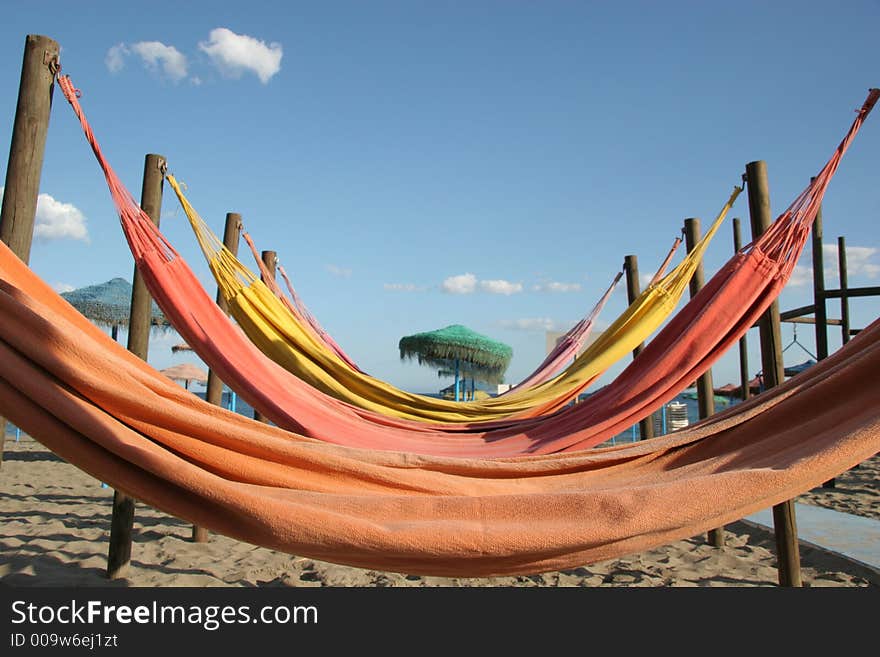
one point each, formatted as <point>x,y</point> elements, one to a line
<point>278,333</point>
<point>710,323</point>
<point>102,409</point>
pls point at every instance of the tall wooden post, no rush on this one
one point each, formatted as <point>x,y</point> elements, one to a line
<point>119,553</point>
<point>633,289</point>
<point>743,341</point>
<point>270,259</point>
<point>705,389</point>
<point>214,389</point>
<point>820,310</point>
<point>25,164</point>
<point>784,524</point>
<point>844,286</point>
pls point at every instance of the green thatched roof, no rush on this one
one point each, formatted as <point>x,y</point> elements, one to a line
<point>109,303</point>
<point>478,355</point>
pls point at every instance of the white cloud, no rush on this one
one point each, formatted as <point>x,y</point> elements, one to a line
<point>554,286</point>
<point>461,284</point>
<point>530,324</point>
<point>403,287</point>
<point>800,276</point>
<point>115,58</point>
<point>499,286</point>
<point>858,261</point>
<point>61,288</point>
<point>156,54</point>
<point>342,272</point>
<point>55,220</point>
<point>234,54</point>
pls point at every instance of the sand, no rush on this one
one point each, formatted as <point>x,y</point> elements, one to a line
<point>56,523</point>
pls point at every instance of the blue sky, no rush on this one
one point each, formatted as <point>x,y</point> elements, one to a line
<point>419,164</point>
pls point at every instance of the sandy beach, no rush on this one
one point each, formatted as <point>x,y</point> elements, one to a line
<point>56,523</point>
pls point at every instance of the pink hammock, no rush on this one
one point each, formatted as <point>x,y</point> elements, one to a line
<point>691,342</point>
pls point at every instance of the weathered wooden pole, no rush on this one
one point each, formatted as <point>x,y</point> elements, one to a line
<point>231,238</point>
<point>633,289</point>
<point>844,285</point>
<point>784,523</point>
<point>705,390</point>
<point>270,259</point>
<point>820,310</point>
<point>743,341</point>
<point>214,389</point>
<point>122,521</point>
<point>26,149</point>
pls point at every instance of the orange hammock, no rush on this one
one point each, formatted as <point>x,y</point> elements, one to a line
<point>102,409</point>
<point>711,322</point>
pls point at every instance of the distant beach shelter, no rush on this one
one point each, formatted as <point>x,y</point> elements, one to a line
<point>460,351</point>
<point>109,304</point>
<point>186,372</point>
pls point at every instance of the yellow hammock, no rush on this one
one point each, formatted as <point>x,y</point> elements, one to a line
<point>281,336</point>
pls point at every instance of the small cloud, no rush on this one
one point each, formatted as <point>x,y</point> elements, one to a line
<point>554,286</point>
<point>55,220</point>
<point>461,284</point>
<point>338,271</point>
<point>156,54</point>
<point>531,324</point>
<point>115,57</point>
<point>195,81</point>
<point>800,276</point>
<point>501,287</point>
<point>61,288</point>
<point>234,54</point>
<point>858,261</point>
<point>403,287</point>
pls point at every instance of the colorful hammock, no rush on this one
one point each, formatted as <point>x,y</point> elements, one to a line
<point>277,333</point>
<point>566,347</point>
<point>96,405</point>
<point>709,324</point>
<point>296,307</point>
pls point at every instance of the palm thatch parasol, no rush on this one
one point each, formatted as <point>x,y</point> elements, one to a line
<point>456,348</point>
<point>109,304</point>
<point>186,372</point>
<point>180,346</point>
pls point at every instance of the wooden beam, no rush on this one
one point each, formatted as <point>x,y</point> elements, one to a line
<point>633,289</point>
<point>270,259</point>
<point>122,521</point>
<point>26,150</point>
<point>784,524</point>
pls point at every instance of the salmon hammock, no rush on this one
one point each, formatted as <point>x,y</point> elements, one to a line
<point>400,495</point>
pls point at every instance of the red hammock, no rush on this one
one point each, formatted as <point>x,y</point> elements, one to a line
<point>713,320</point>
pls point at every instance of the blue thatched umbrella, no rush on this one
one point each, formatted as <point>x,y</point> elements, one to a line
<point>109,304</point>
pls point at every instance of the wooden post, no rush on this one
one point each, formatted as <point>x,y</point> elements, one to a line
<point>784,524</point>
<point>270,259</point>
<point>705,390</point>
<point>743,341</point>
<point>25,164</point>
<point>844,284</point>
<point>231,238</point>
<point>633,289</point>
<point>119,553</point>
<point>820,310</point>
<point>214,389</point>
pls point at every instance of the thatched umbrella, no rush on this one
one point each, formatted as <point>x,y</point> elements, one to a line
<point>456,348</point>
<point>186,372</point>
<point>109,304</point>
